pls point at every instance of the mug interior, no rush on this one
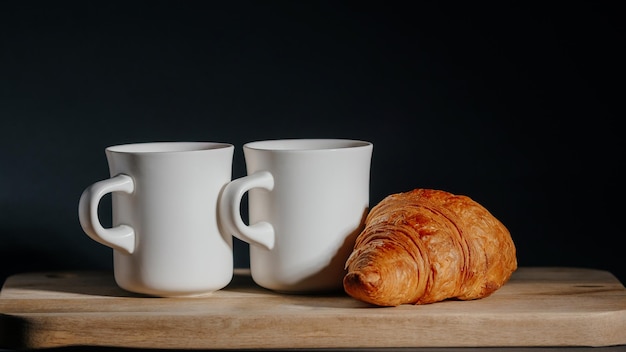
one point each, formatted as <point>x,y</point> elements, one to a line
<point>167,147</point>
<point>306,144</point>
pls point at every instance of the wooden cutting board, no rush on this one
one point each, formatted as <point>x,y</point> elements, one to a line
<point>539,306</point>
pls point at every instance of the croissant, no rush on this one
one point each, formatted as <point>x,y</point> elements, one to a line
<point>424,246</point>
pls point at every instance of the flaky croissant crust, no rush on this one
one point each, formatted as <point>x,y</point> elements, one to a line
<point>425,246</point>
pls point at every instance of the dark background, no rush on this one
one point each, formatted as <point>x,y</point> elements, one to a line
<point>514,104</point>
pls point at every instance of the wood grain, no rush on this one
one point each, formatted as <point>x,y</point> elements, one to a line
<point>537,307</point>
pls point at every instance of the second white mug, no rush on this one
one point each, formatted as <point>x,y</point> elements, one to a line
<point>307,201</point>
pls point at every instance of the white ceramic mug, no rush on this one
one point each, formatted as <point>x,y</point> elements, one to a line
<point>307,201</point>
<point>164,233</point>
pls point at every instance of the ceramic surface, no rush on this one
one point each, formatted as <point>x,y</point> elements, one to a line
<point>307,201</point>
<point>165,234</point>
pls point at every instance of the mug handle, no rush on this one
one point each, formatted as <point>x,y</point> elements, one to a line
<point>261,233</point>
<point>122,237</point>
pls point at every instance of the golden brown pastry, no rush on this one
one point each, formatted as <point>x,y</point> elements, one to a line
<point>425,246</point>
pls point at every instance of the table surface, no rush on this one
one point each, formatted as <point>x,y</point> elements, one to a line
<point>538,307</point>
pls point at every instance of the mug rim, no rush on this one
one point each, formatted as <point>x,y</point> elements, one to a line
<point>167,147</point>
<point>306,144</point>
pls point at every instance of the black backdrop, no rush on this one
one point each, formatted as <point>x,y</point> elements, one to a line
<point>513,104</point>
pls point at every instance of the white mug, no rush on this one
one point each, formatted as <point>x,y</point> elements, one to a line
<point>165,234</point>
<point>307,201</point>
